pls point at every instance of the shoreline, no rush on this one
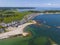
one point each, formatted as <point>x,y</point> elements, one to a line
<point>17,31</point>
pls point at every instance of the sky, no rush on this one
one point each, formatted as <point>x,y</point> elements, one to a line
<point>29,3</point>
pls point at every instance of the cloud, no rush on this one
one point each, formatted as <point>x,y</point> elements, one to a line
<point>49,4</point>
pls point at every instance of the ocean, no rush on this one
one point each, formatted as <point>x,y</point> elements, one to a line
<point>47,31</point>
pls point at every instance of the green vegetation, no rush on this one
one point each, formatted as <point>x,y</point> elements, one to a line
<point>0,26</point>
<point>17,17</point>
<point>9,16</point>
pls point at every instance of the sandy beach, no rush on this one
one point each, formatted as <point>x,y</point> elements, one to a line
<point>16,31</point>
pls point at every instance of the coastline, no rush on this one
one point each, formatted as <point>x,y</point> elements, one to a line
<point>17,31</point>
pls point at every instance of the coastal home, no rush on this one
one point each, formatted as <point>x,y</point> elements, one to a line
<point>8,24</point>
<point>3,24</point>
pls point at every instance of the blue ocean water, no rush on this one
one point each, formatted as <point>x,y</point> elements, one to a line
<point>49,19</point>
<point>43,31</point>
<point>41,34</point>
